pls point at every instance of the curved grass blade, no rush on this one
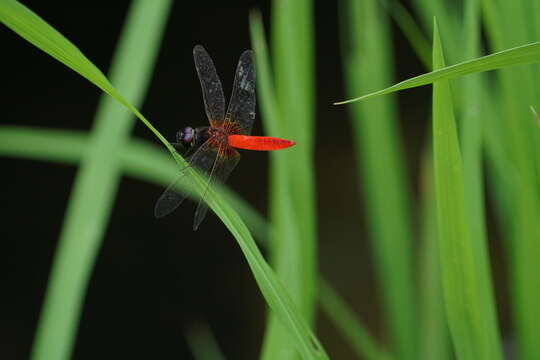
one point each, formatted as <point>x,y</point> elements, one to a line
<point>473,334</point>
<point>31,27</point>
<point>521,55</point>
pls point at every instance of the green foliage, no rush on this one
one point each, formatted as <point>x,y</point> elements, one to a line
<point>484,124</point>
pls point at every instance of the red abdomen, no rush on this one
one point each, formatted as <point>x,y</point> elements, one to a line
<point>261,143</point>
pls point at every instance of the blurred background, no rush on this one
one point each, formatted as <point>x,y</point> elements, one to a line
<point>144,294</point>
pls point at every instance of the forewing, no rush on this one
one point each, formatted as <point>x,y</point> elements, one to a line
<point>221,171</point>
<point>242,105</point>
<point>214,100</point>
<point>202,159</point>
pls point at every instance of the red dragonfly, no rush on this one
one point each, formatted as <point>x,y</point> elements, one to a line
<point>212,149</point>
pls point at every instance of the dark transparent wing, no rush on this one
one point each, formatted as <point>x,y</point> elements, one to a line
<point>242,105</point>
<point>221,170</point>
<point>214,100</point>
<point>202,159</point>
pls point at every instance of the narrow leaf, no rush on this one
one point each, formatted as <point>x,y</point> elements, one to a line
<point>521,55</point>
<point>368,64</point>
<point>469,323</point>
<point>289,111</point>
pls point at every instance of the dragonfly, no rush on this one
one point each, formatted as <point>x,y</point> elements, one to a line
<point>212,149</point>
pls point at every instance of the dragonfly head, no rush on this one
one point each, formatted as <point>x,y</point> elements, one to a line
<point>186,136</point>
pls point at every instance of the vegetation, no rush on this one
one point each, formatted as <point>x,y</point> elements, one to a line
<point>483,132</point>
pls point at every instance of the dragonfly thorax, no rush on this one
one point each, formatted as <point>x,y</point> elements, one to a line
<point>218,135</point>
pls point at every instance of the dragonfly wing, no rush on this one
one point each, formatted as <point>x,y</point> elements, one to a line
<point>170,199</point>
<point>214,100</point>
<point>221,170</point>
<point>174,195</point>
<point>242,105</point>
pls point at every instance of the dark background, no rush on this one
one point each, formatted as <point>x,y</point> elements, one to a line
<point>154,279</point>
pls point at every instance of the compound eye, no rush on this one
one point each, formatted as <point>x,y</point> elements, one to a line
<point>186,136</point>
<point>179,136</point>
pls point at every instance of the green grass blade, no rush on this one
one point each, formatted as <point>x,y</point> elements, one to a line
<point>34,29</point>
<point>96,183</point>
<point>284,226</point>
<point>294,84</point>
<point>471,142</point>
<point>368,65</point>
<point>289,112</point>
<point>62,146</point>
<point>269,107</point>
<point>516,190</point>
<point>521,55</point>
<point>469,321</point>
<point>433,329</point>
